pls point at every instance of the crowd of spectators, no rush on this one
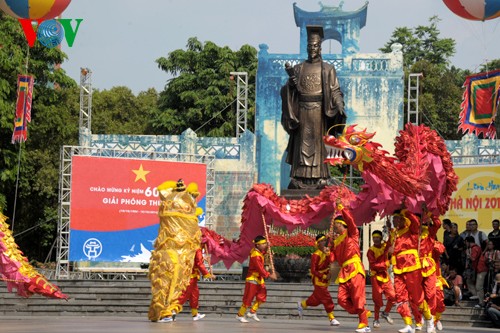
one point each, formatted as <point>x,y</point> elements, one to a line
<point>471,265</point>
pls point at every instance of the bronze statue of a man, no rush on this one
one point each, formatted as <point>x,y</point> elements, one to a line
<point>311,103</point>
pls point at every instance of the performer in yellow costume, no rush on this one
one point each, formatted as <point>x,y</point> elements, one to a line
<point>178,239</point>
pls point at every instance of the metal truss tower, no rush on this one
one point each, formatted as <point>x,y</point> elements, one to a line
<point>413,94</point>
<point>63,227</point>
<point>85,104</point>
<point>241,101</point>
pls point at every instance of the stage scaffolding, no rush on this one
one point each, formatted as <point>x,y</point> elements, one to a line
<point>85,120</point>
<point>63,268</point>
<point>241,101</point>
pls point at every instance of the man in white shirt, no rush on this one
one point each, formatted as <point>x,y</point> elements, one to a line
<point>480,237</point>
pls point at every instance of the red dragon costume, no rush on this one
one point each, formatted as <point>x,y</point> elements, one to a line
<point>420,172</point>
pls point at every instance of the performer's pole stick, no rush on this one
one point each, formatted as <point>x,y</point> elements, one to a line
<point>207,258</point>
<point>330,231</point>
<point>269,244</point>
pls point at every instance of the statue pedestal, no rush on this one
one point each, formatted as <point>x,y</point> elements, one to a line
<point>299,194</point>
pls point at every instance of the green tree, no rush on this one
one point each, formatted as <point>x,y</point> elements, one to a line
<point>201,95</point>
<point>54,123</point>
<point>440,95</point>
<point>119,111</point>
<point>422,43</point>
<point>491,65</point>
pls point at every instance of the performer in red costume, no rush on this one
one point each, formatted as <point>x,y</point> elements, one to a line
<point>192,293</point>
<point>255,286</point>
<point>406,266</point>
<point>321,276</point>
<point>429,229</point>
<point>428,232</point>
<point>441,282</point>
<point>378,258</point>
<point>351,278</point>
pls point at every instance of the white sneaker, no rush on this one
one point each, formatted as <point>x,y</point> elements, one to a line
<point>473,297</point>
<point>334,322</point>
<point>430,326</point>
<point>407,329</point>
<point>165,320</point>
<point>241,319</point>
<point>418,327</point>
<point>365,329</point>
<point>198,317</point>
<point>300,309</point>
<point>439,325</point>
<point>376,324</point>
<point>387,318</point>
<point>253,316</point>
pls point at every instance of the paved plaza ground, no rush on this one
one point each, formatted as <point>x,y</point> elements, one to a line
<point>212,324</point>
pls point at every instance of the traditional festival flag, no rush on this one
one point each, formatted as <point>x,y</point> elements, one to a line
<point>480,104</point>
<point>23,108</point>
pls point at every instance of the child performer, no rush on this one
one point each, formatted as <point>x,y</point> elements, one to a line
<point>192,293</point>
<point>321,276</point>
<point>441,282</point>
<point>378,258</point>
<point>255,286</point>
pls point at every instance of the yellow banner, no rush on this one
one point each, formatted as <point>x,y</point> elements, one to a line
<point>477,196</point>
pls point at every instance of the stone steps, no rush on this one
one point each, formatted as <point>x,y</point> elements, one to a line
<point>220,298</point>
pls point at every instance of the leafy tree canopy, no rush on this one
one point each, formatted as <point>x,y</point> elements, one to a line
<point>440,94</point>
<point>119,111</point>
<point>202,96</point>
<point>422,43</point>
<point>440,97</point>
<point>491,65</point>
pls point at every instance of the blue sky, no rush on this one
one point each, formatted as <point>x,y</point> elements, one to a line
<point>119,40</point>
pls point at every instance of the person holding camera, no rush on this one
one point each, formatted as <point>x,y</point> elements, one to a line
<point>493,303</point>
<point>488,257</point>
<point>473,253</point>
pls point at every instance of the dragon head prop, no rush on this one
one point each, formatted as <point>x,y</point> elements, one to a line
<point>352,147</point>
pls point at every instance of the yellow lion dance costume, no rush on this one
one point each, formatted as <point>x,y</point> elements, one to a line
<point>178,238</point>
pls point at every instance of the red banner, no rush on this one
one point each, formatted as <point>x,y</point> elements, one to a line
<point>110,194</point>
<point>114,205</point>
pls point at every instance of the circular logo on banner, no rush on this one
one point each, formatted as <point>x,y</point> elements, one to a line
<point>50,33</point>
<point>92,248</point>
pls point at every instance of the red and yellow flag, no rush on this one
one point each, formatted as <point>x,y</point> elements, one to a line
<point>23,108</point>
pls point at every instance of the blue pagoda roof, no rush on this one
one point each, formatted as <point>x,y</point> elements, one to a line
<point>329,14</point>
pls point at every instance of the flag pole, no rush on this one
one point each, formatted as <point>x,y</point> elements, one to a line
<point>17,187</point>
<point>26,66</point>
